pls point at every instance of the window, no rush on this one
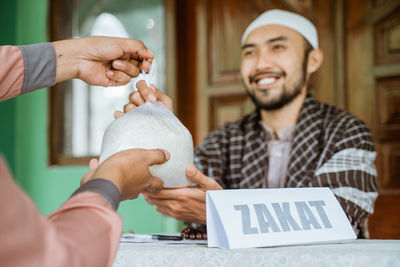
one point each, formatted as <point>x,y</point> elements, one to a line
<point>79,113</point>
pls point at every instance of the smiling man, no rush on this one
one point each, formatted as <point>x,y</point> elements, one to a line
<point>290,140</point>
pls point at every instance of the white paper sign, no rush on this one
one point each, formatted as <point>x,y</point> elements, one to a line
<point>244,218</point>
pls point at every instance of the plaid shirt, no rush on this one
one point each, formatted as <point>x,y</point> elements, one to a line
<point>330,148</point>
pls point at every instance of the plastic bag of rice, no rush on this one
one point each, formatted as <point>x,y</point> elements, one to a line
<point>153,126</point>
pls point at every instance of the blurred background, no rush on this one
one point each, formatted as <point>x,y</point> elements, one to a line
<point>49,136</point>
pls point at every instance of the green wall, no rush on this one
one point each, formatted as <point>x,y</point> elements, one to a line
<point>24,140</point>
<point>7,108</point>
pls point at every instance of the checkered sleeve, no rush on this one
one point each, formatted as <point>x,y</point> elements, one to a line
<point>210,157</point>
<point>349,169</point>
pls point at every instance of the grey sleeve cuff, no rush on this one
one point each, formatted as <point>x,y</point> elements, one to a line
<point>104,187</point>
<point>40,66</point>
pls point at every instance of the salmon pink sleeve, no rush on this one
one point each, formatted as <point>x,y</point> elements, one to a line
<point>11,71</point>
<point>85,231</point>
<point>26,68</point>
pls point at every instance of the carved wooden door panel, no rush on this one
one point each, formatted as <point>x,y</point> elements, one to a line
<point>373,91</point>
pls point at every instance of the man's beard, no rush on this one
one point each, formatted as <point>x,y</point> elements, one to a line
<point>286,96</point>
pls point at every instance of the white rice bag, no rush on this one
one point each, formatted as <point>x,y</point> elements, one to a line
<point>153,126</point>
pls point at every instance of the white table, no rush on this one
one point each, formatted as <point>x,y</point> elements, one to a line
<point>364,253</point>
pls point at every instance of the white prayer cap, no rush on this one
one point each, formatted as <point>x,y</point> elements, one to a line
<point>287,19</point>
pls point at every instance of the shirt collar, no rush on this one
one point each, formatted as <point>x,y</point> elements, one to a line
<point>284,134</point>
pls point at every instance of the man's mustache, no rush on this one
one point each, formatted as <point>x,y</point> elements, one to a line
<point>253,77</point>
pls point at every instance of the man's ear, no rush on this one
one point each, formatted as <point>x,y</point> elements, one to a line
<point>315,58</point>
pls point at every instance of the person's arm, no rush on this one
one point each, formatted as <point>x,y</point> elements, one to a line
<point>350,172</point>
<point>103,61</point>
<point>85,231</point>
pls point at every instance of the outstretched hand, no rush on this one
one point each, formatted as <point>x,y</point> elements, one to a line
<point>103,61</point>
<point>187,203</point>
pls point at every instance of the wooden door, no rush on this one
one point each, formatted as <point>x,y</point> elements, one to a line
<point>360,73</point>
<point>373,93</point>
